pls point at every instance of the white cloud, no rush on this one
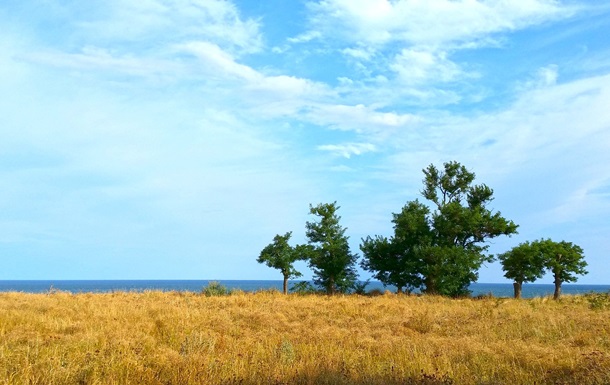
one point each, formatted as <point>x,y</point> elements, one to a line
<point>548,75</point>
<point>542,77</point>
<point>348,149</point>
<point>359,118</point>
<point>305,37</point>
<point>420,66</point>
<point>288,87</point>
<point>215,21</point>
<point>546,154</point>
<point>99,59</point>
<point>202,63</point>
<point>427,23</point>
<point>358,53</point>
<point>413,42</point>
<point>217,62</point>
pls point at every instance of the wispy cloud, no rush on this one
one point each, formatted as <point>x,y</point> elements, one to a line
<point>427,23</point>
<point>215,21</point>
<point>359,118</point>
<point>346,150</point>
<point>424,67</point>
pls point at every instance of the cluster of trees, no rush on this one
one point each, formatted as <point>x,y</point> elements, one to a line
<point>529,261</point>
<point>436,248</point>
<point>327,252</point>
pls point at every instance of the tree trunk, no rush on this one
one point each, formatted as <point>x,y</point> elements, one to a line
<point>399,290</point>
<point>518,286</point>
<point>430,284</point>
<point>331,286</point>
<point>285,284</point>
<point>557,293</point>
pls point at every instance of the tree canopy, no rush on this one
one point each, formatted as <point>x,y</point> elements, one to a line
<point>396,261</point>
<point>529,261</point>
<point>330,258</point>
<point>280,255</point>
<point>523,263</point>
<point>564,260</point>
<point>439,250</point>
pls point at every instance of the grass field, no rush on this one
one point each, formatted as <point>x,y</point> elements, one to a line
<point>268,338</point>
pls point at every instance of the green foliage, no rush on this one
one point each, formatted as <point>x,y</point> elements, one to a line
<point>564,260</point>
<point>439,251</point>
<point>215,289</point>
<point>396,261</point>
<point>529,261</point>
<point>330,257</point>
<point>286,352</point>
<point>360,287</point>
<point>598,301</point>
<point>523,263</point>
<point>280,255</point>
<point>303,287</point>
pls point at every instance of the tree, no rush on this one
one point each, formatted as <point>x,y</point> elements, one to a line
<point>280,255</point>
<point>444,246</point>
<point>396,261</point>
<point>564,259</point>
<point>462,224</point>
<point>330,258</point>
<point>523,263</point>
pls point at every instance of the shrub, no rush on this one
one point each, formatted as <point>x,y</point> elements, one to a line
<point>360,287</point>
<point>215,289</point>
<point>598,301</point>
<point>303,287</point>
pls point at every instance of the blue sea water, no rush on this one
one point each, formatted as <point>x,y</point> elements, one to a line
<point>101,286</point>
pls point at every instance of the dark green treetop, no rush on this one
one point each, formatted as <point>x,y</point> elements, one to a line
<point>330,258</point>
<point>397,261</point>
<point>461,224</point>
<point>440,249</point>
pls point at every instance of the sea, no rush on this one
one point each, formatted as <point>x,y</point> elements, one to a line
<point>531,290</point>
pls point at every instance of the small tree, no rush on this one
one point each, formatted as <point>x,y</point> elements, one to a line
<point>564,259</point>
<point>280,255</point>
<point>523,263</point>
<point>330,258</point>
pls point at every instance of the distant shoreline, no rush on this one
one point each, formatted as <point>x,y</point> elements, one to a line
<point>100,286</point>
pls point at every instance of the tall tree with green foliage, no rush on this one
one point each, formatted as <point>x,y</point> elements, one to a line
<point>397,261</point>
<point>564,260</point>
<point>461,223</point>
<point>523,263</point>
<point>446,245</point>
<point>330,258</point>
<point>280,255</point>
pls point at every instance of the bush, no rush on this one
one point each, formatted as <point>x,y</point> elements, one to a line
<point>303,287</point>
<point>360,287</point>
<point>598,301</point>
<point>215,289</point>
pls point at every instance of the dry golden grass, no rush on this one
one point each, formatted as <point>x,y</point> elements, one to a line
<point>268,338</point>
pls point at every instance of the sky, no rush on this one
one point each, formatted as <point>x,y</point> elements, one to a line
<point>173,139</point>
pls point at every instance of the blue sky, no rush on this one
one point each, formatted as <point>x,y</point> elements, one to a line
<point>172,139</point>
